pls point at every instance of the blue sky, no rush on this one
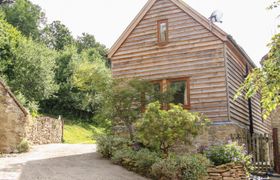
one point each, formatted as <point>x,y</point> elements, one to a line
<point>247,21</point>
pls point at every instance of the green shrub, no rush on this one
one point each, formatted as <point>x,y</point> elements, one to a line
<point>161,129</point>
<point>139,161</point>
<point>107,145</point>
<point>228,153</point>
<point>125,157</point>
<point>187,167</point>
<point>23,146</point>
<point>144,160</point>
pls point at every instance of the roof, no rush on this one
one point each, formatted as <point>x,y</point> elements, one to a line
<point>190,11</point>
<point>14,98</point>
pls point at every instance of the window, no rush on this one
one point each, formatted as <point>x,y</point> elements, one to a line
<point>180,87</point>
<point>162,31</point>
<point>181,91</point>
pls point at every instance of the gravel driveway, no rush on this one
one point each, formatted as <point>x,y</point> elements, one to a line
<point>62,162</point>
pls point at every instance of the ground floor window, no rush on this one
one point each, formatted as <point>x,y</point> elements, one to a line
<point>180,88</point>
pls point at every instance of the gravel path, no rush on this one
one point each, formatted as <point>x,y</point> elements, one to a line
<point>62,162</point>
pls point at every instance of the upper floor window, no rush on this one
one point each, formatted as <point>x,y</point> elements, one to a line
<point>163,31</point>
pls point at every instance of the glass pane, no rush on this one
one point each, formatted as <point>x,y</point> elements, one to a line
<point>156,89</point>
<point>180,93</point>
<point>163,32</point>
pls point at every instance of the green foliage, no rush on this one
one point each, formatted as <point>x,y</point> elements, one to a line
<point>139,161</point>
<point>274,5</point>
<point>32,71</point>
<point>23,146</point>
<point>144,159</point>
<point>56,36</point>
<point>228,153</point>
<point>108,144</point>
<point>28,67</point>
<point>125,157</point>
<point>161,129</point>
<point>265,80</point>
<point>25,16</point>
<point>87,41</point>
<point>188,167</point>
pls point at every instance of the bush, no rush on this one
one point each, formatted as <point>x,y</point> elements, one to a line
<point>125,157</point>
<point>138,161</point>
<point>144,160</point>
<point>161,129</point>
<point>107,145</point>
<point>23,146</point>
<point>228,153</point>
<point>188,167</point>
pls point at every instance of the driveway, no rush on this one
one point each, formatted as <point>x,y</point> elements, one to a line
<point>62,162</point>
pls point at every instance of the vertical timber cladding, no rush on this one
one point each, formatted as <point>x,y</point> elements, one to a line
<point>239,112</point>
<point>192,51</point>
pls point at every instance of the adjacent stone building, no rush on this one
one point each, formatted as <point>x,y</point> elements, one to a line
<point>16,124</point>
<point>13,120</point>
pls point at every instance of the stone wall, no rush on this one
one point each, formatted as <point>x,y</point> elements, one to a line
<point>16,124</point>
<point>13,121</point>
<point>45,130</point>
<point>215,134</point>
<point>229,171</point>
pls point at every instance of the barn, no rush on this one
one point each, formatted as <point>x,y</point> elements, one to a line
<point>169,43</point>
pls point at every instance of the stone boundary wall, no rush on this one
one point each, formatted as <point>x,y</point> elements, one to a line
<point>45,130</point>
<point>229,171</point>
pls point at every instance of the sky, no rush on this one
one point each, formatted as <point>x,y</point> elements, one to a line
<point>248,21</point>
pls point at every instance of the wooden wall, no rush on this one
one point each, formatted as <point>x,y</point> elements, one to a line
<point>239,112</point>
<point>193,51</point>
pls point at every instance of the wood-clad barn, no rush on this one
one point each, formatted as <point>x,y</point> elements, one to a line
<point>170,43</point>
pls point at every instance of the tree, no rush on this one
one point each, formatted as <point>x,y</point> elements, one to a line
<point>32,71</point>
<point>56,36</point>
<point>266,80</point>
<point>87,41</point>
<point>25,16</point>
<point>161,129</point>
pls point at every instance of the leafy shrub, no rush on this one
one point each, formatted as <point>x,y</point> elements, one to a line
<point>228,153</point>
<point>188,167</point>
<point>144,160</point>
<point>139,161</point>
<point>108,144</point>
<point>23,146</point>
<point>161,129</point>
<point>125,157</point>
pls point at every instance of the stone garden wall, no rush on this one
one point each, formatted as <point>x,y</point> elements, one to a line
<point>16,124</point>
<point>45,130</point>
<point>230,171</point>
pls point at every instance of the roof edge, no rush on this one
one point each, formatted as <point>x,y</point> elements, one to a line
<point>130,27</point>
<point>242,51</point>
<point>182,5</point>
<point>25,112</point>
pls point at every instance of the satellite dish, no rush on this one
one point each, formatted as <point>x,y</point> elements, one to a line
<point>216,16</point>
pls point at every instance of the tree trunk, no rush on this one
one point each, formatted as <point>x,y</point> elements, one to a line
<point>130,131</point>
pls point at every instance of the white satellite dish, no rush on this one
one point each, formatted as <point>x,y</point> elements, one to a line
<point>216,16</point>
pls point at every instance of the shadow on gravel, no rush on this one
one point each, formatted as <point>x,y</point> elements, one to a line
<point>77,167</point>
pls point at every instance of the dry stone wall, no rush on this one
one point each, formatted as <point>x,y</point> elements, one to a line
<point>45,130</point>
<point>16,124</point>
<point>229,171</point>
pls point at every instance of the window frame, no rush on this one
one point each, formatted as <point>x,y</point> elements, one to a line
<point>159,22</point>
<point>187,104</point>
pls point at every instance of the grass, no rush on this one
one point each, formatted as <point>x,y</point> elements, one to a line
<point>80,133</point>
